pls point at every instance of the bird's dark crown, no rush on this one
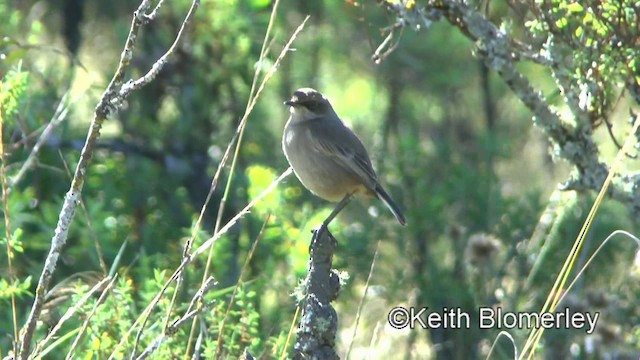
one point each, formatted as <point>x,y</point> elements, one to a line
<point>308,98</point>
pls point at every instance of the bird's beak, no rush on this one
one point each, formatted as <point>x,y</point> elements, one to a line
<point>292,102</point>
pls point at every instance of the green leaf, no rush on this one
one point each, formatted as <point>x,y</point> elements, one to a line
<point>260,177</point>
<point>574,8</point>
<point>561,23</point>
<point>12,87</point>
<point>579,31</point>
<point>259,4</point>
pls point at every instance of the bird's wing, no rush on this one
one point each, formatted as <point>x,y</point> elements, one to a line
<point>353,157</point>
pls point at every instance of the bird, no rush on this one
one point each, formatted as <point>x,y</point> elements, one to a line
<point>327,156</point>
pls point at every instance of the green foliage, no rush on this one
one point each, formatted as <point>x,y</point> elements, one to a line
<point>602,41</point>
<point>19,289</point>
<point>241,327</point>
<point>473,187</point>
<point>260,178</point>
<point>12,88</point>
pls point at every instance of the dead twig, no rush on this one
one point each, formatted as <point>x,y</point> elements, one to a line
<point>111,100</point>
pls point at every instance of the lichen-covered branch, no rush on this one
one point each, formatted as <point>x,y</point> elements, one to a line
<point>573,143</point>
<point>316,334</point>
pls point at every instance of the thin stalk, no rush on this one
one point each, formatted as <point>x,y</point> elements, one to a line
<point>239,133</point>
<point>7,229</point>
<point>239,282</point>
<point>557,289</point>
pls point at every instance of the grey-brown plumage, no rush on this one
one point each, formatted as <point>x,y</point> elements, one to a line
<point>327,157</point>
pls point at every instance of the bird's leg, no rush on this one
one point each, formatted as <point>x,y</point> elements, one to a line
<point>345,200</point>
<point>317,233</point>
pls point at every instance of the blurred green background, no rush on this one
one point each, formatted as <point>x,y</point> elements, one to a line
<point>451,143</point>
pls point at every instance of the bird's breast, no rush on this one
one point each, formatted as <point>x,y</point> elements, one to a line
<point>317,171</point>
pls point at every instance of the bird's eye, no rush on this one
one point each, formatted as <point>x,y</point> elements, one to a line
<point>312,105</point>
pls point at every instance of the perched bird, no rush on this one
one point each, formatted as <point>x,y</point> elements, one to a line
<point>327,157</point>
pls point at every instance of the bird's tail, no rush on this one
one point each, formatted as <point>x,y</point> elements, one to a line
<point>388,201</point>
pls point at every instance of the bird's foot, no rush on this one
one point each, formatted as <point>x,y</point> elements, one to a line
<point>318,233</point>
<point>320,229</point>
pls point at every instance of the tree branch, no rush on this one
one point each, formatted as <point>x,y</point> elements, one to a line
<point>316,335</point>
<point>574,144</point>
<point>112,99</point>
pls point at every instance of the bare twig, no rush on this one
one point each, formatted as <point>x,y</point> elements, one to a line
<point>253,99</point>
<point>60,114</point>
<point>198,297</point>
<point>596,252</point>
<point>69,313</point>
<point>155,344</point>
<point>196,227</point>
<point>239,136</point>
<point>101,299</point>
<point>197,252</point>
<point>132,85</point>
<point>221,207</point>
<point>112,99</point>
<point>152,14</point>
<point>197,302</point>
<point>239,282</point>
<point>556,290</point>
<point>384,49</point>
<point>361,304</point>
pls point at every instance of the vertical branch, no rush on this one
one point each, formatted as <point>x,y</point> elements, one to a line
<point>319,323</point>
<point>112,99</point>
<point>488,143</point>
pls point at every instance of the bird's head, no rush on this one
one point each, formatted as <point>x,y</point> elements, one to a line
<point>308,104</point>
